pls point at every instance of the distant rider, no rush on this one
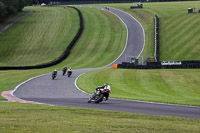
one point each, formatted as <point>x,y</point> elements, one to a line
<point>54,72</point>
<point>69,71</point>
<point>64,70</point>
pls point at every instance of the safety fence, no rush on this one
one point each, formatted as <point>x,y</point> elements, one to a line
<point>62,57</point>
<point>159,65</point>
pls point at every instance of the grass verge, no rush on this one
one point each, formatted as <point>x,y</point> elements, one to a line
<point>165,86</point>
<point>43,118</point>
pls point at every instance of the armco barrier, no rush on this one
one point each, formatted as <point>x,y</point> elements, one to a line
<point>62,57</point>
<point>157,65</point>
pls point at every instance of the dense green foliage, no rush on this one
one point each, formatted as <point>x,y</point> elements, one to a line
<point>9,7</point>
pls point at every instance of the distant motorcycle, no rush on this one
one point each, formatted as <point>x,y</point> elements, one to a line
<point>69,73</point>
<point>99,95</point>
<point>54,76</point>
<point>64,72</point>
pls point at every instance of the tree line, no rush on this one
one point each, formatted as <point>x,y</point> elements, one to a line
<point>9,7</point>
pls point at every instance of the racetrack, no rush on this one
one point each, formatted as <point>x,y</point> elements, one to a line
<point>63,90</point>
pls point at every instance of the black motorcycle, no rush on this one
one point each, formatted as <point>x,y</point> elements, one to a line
<point>69,73</point>
<point>99,95</point>
<point>64,72</point>
<point>54,76</point>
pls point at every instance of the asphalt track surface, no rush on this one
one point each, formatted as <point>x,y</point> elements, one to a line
<point>63,91</point>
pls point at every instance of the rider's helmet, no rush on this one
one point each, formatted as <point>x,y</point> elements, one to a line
<point>106,84</point>
<point>55,70</point>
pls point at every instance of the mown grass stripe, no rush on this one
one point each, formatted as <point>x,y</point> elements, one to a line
<point>87,42</point>
<point>96,41</point>
<point>104,36</point>
<point>41,37</point>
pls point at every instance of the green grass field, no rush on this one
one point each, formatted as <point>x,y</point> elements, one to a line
<point>165,86</point>
<point>180,85</point>
<point>102,41</point>
<point>16,117</point>
<point>38,38</point>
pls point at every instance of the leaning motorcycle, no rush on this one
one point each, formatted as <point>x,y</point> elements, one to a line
<point>54,76</point>
<point>64,72</point>
<point>69,73</point>
<point>98,96</point>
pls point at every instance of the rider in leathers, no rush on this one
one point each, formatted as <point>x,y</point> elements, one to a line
<point>54,72</point>
<point>106,88</point>
<point>69,71</point>
<point>64,69</point>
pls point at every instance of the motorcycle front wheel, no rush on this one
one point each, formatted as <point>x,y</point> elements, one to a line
<point>89,100</point>
<point>99,99</point>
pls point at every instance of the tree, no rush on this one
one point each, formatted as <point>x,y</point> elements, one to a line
<point>9,7</point>
<point>2,11</point>
<point>21,5</point>
<point>28,2</point>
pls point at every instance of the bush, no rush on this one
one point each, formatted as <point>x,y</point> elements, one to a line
<point>9,7</point>
<point>2,11</point>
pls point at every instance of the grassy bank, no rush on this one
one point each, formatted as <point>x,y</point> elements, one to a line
<point>43,118</point>
<point>165,86</point>
<point>103,40</point>
<point>40,37</point>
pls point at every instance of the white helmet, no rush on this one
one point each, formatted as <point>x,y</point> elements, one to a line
<point>106,84</point>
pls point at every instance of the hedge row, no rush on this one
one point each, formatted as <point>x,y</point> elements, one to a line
<point>62,57</point>
<point>10,7</point>
<point>156,41</point>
